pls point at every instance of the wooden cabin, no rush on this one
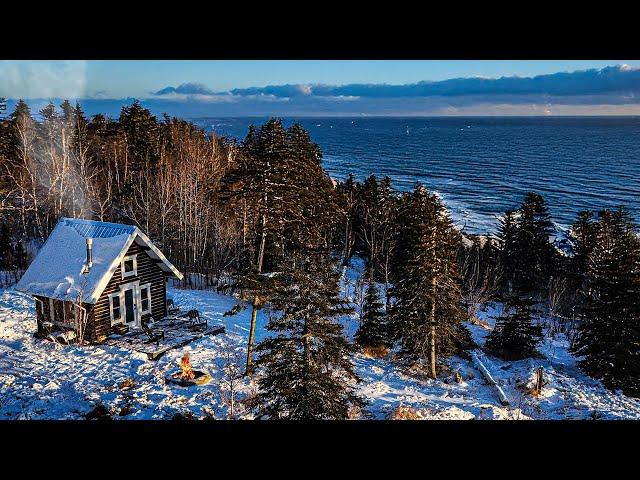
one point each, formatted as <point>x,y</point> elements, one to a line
<point>97,278</point>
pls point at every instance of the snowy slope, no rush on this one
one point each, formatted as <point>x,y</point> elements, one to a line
<point>41,380</point>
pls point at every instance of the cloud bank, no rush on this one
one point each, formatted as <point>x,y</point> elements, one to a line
<point>611,90</point>
<point>616,79</point>
<point>607,91</point>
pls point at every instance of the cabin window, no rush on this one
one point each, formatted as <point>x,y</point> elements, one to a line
<point>145,298</point>
<point>129,266</point>
<point>116,311</point>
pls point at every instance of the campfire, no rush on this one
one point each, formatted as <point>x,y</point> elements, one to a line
<point>186,368</point>
<point>187,376</point>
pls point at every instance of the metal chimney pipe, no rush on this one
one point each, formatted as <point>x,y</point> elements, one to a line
<point>89,262</point>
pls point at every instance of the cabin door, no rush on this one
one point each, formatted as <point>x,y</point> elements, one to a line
<point>131,317</point>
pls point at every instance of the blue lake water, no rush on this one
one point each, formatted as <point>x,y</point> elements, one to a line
<point>483,166</point>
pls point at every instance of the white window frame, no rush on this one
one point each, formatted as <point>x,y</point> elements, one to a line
<point>113,320</point>
<point>137,304</point>
<point>146,286</point>
<point>133,272</point>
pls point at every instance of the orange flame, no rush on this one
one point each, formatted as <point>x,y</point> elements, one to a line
<point>185,367</point>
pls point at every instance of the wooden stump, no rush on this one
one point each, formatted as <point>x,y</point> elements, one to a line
<point>539,381</point>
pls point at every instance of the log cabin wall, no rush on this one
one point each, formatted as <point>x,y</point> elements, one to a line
<point>148,271</point>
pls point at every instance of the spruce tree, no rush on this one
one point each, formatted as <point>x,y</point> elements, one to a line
<point>609,335</point>
<point>67,112</point>
<point>372,332</point>
<point>507,240</point>
<point>80,134</point>
<point>279,180</point>
<point>528,258</point>
<point>142,134</point>
<point>311,219</point>
<point>306,371</point>
<point>346,197</point>
<point>21,111</point>
<point>536,255</point>
<point>515,336</point>
<point>583,239</point>
<point>260,180</point>
<point>427,316</point>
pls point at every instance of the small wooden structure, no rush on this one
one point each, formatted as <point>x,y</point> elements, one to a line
<point>95,277</point>
<point>178,332</point>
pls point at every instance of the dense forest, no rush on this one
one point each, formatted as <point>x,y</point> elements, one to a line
<point>261,218</point>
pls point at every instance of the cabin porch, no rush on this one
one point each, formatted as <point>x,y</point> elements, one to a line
<point>176,331</point>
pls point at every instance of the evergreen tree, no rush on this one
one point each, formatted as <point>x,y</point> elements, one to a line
<point>311,219</point>
<point>346,197</point>
<point>373,331</point>
<point>67,114</point>
<point>528,258</point>
<point>22,110</point>
<point>141,133</point>
<point>583,239</point>
<point>279,178</point>
<point>79,125</point>
<point>609,335</point>
<point>374,222</point>
<point>427,314</point>
<point>49,115</point>
<point>515,336</point>
<point>536,255</point>
<point>507,240</point>
<point>306,369</point>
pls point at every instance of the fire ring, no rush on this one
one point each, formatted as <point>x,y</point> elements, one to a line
<point>199,378</point>
<point>187,376</point>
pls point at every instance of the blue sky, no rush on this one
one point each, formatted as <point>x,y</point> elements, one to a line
<point>225,87</point>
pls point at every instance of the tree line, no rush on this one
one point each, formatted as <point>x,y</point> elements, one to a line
<point>162,175</point>
<point>261,217</point>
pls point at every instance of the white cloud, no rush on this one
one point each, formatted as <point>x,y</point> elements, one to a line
<point>305,89</point>
<point>195,98</point>
<point>43,79</point>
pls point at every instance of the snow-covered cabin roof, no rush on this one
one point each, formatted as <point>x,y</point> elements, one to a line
<point>57,271</point>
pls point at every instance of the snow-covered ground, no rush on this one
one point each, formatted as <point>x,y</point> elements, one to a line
<point>40,380</point>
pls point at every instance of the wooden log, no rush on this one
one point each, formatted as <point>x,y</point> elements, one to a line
<point>539,380</point>
<point>485,373</point>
